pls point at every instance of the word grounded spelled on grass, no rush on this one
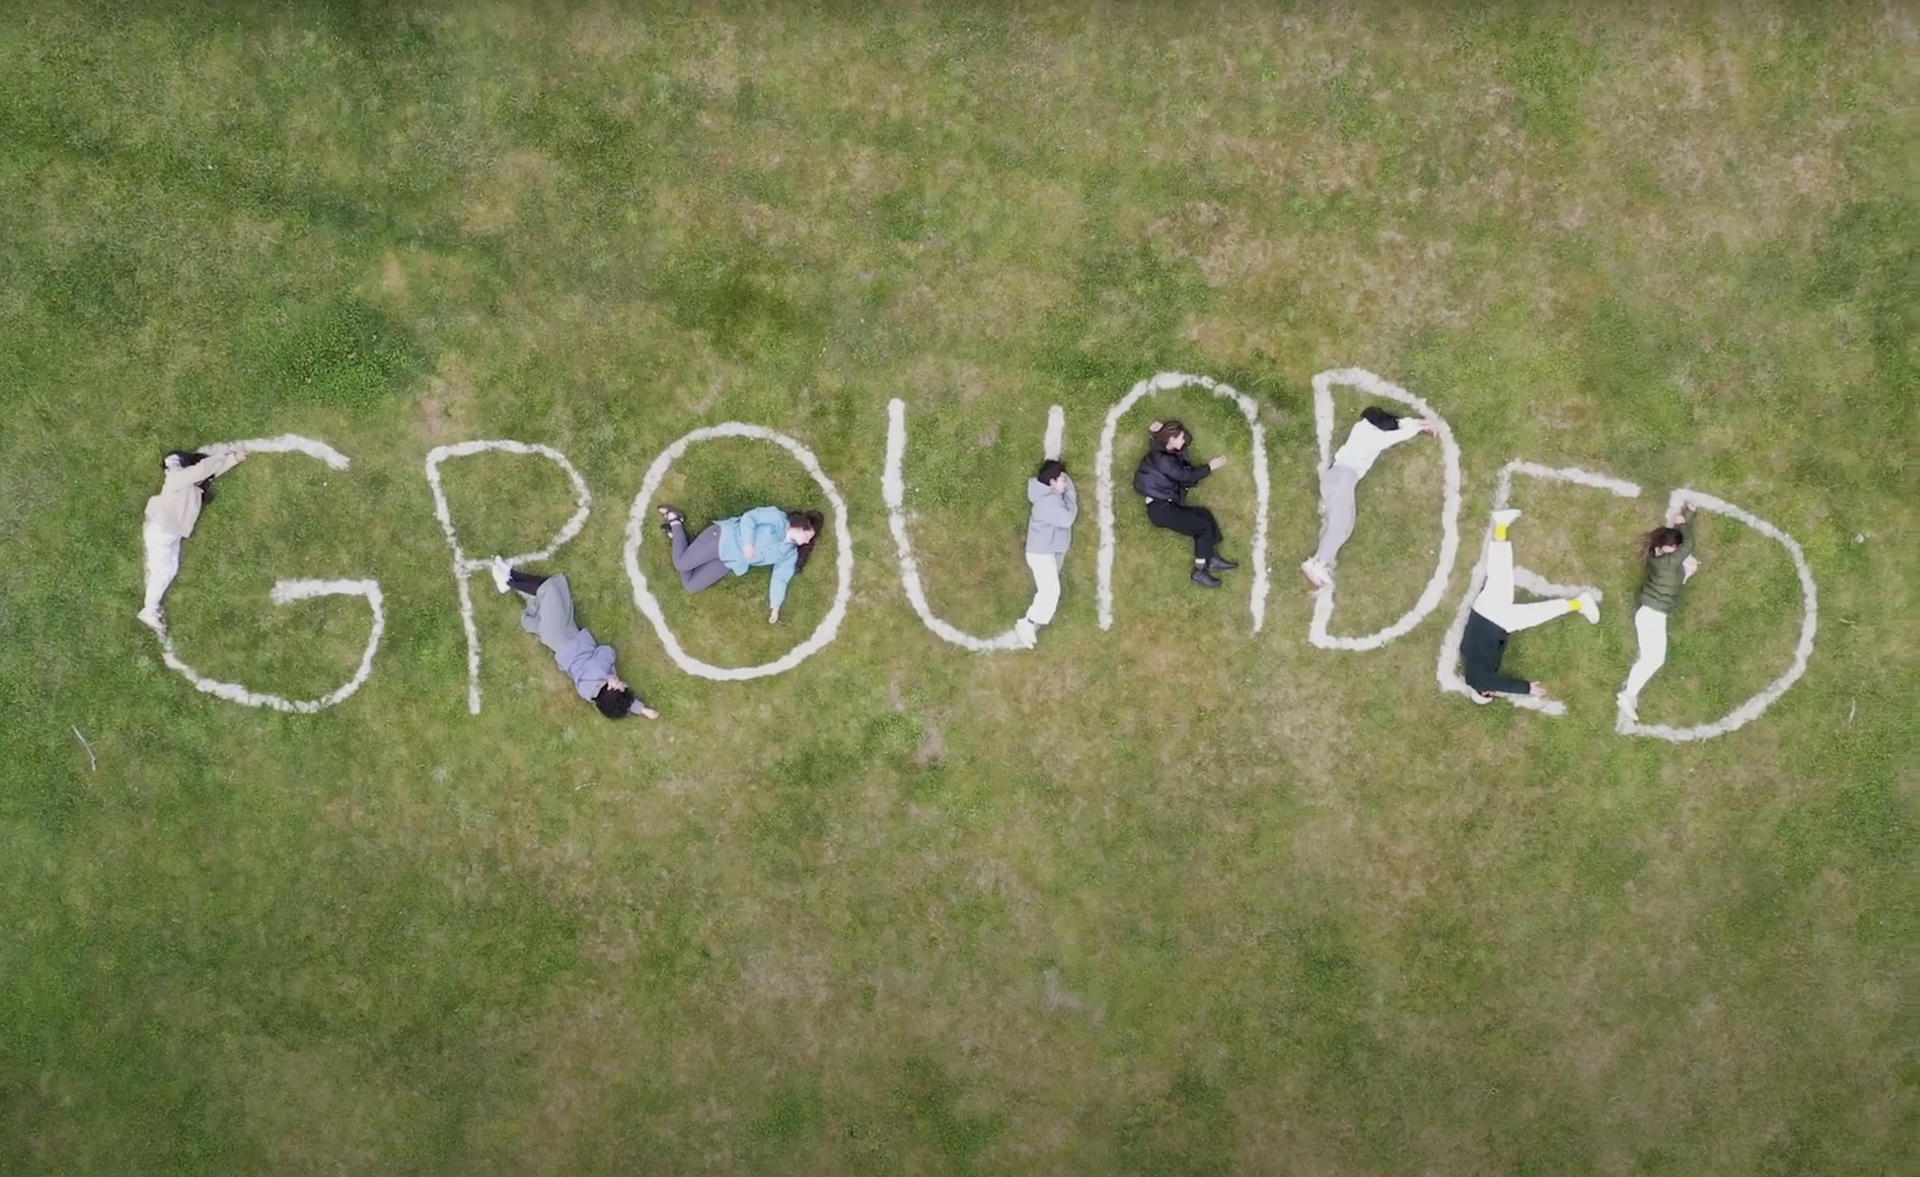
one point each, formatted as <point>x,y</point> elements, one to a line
<point>893,491</point>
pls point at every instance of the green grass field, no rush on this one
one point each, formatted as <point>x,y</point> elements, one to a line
<point>1166,899</point>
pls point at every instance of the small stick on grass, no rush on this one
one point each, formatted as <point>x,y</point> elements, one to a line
<point>92,764</point>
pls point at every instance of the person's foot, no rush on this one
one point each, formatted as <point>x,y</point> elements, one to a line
<point>650,713</point>
<point>1205,579</point>
<point>1587,607</point>
<point>669,516</point>
<point>500,573</point>
<point>1506,516</point>
<point>1027,632</point>
<point>151,618</point>
<point>1318,575</point>
<point>1220,564</point>
<point>1629,707</point>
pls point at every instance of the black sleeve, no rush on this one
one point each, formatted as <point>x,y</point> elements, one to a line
<point>1186,473</point>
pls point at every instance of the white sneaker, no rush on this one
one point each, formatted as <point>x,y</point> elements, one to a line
<point>500,572</point>
<point>1479,698</point>
<point>151,618</point>
<point>1505,518</point>
<point>1027,632</point>
<point>1318,575</point>
<point>1629,707</point>
<point>1589,608</point>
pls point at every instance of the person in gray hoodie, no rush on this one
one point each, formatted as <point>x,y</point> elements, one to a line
<point>549,617</point>
<point>1049,532</point>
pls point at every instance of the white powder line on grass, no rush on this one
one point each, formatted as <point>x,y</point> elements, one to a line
<point>465,566</point>
<point>287,592</point>
<point>1446,668</point>
<point>893,488</point>
<point>1753,708</point>
<point>1374,387</point>
<point>1104,490</point>
<point>829,627</point>
<point>92,764</point>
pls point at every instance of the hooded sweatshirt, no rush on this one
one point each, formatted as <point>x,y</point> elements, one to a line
<point>177,507</point>
<point>1366,442</point>
<point>1050,523</point>
<point>765,528</point>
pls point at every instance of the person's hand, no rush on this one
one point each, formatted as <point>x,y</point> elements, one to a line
<point>1216,463</point>
<point>650,713</point>
<point>773,618</point>
<point>1430,425</point>
<point>747,550</point>
<point>1537,690</point>
<point>1154,426</point>
<point>1688,567</point>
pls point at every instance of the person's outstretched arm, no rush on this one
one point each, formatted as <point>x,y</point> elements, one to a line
<point>1186,473</point>
<point>212,466</point>
<point>777,585</point>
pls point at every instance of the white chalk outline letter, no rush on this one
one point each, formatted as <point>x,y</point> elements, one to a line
<point>1752,709</point>
<point>287,592</point>
<point>829,627</point>
<point>1446,668</point>
<point>1374,387</point>
<point>893,488</point>
<point>465,566</point>
<point>1103,482</point>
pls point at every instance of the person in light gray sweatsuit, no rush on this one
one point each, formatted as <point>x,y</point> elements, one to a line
<point>1049,533</point>
<point>549,617</point>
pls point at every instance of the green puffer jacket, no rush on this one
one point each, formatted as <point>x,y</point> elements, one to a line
<point>1665,574</point>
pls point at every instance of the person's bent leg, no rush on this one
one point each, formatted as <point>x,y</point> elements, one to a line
<point>1650,627</point>
<point>524,582</point>
<point>691,555</point>
<point>1337,495</point>
<point>1206,534</point>
<point>702,576</point>
<point>1515,617</point>
<point>1046,587</point>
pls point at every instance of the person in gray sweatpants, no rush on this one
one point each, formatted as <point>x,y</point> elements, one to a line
<point>1372,435</point>
<point>549,617</point>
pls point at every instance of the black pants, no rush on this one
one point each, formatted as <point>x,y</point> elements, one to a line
<point>1197,522</point>
<point>524,582</point>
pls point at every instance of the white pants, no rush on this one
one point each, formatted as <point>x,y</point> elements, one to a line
<point>1650,626</point>
<point>1496,603</point>
<point>1046,585</point>
<point>163,562</point>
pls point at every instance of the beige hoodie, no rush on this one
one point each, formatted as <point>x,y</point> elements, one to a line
<point>176,508</point>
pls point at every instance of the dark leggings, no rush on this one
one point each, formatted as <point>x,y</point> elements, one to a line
<point>1197,522</point>
<point>698,561</point>
<point>524,582</point>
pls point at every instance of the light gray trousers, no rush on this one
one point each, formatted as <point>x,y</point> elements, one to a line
<point>1336,499</point>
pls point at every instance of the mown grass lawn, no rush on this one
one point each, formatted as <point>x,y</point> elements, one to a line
<point>1171,898</point>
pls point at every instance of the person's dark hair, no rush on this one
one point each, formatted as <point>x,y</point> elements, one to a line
<point>1379,418</point>
<point>1167,432</point>
<point>185,458</point>
<point>813,521</point>
<point>1662,537</point>
<point>1050,469</point>
<point>614,704</point>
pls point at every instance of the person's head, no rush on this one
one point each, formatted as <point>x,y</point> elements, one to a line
<point>1171,437</point>
<point>803,527</point>
<point>1379,418</point>
<point>181,459</point>
<point>1664,541</point>
<point>615,699</point>
<point>1050,472</point>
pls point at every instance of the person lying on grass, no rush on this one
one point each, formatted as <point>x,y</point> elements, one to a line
<point>1054,505</point>
<point>1670,564</point>
<point>1163,479</point>
<point>171,515</point>
<point>1372,435</point>
<point>1496,616</point>
<point>549,617</point>
<point>765,537</point>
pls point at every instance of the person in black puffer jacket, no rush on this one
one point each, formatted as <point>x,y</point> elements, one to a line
<point>1162,479</point>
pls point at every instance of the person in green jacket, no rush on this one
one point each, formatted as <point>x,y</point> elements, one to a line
<point>1670,564</point>
<point>765,537</point>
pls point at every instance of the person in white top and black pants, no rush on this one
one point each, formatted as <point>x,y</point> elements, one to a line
<point>171,515</point>
<point>1375,433</point>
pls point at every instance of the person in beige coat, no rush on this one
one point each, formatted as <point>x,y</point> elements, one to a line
<point>171,515</point>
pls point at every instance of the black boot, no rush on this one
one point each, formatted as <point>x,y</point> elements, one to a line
<point>1203,578</point>
<point>1220,564</point>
